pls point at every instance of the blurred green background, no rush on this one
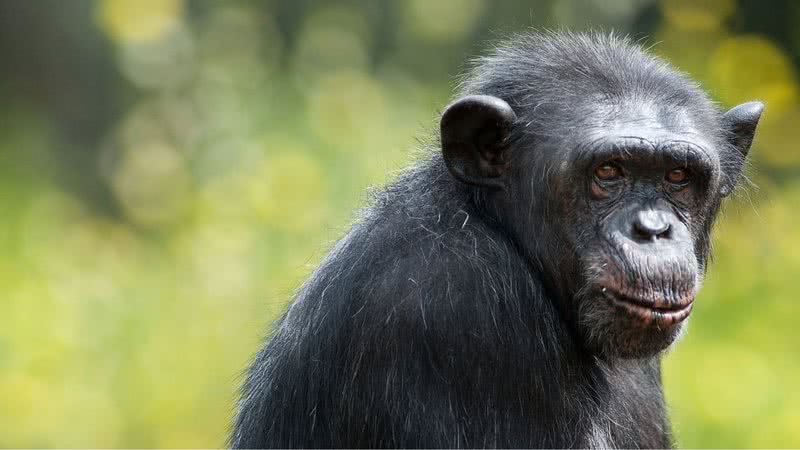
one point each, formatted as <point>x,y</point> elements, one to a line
<point>171,170</point>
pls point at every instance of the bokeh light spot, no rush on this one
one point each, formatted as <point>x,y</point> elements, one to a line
<point>697,14</point>
<point>239,46</point>
<point>778,138</point>
<point>347,110</point>
<point>331,39</point>
<point>443,20</point>
<point>290,192</point>
<point>751,67</point>
<point>152,184</point>
<point>165,62</point>
<point>138,20</point>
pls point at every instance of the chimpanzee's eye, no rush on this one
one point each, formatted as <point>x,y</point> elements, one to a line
<point>608,172</point>
<point>677,176</point>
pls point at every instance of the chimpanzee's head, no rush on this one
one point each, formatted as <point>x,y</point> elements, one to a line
<point>608,168</point>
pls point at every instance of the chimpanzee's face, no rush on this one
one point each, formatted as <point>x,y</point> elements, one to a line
<point>643,202</point>
<point>617,214</point>
<point>637,198</point>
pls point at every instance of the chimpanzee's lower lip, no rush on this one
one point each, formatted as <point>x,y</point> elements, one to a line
<point>640,310</point>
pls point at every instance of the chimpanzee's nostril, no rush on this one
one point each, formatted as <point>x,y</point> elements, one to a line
<point>650,225</point>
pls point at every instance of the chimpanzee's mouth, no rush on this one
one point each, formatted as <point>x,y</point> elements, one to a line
<point>660,313</point>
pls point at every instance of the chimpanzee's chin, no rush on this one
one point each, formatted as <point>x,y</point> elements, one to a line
<point>610,331</point>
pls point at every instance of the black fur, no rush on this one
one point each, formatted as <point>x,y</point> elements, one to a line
<point>439,319</point>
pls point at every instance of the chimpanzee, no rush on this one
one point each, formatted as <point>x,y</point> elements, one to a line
<point>516,287</point>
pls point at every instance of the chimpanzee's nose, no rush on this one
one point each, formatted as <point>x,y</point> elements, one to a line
<point>651,225</point>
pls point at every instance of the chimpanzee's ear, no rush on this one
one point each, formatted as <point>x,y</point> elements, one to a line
<point>741,122</point>
<point>475,132</point>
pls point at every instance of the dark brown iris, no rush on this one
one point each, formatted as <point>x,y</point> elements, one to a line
<point>607,172</point>
<point>677,176</point>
